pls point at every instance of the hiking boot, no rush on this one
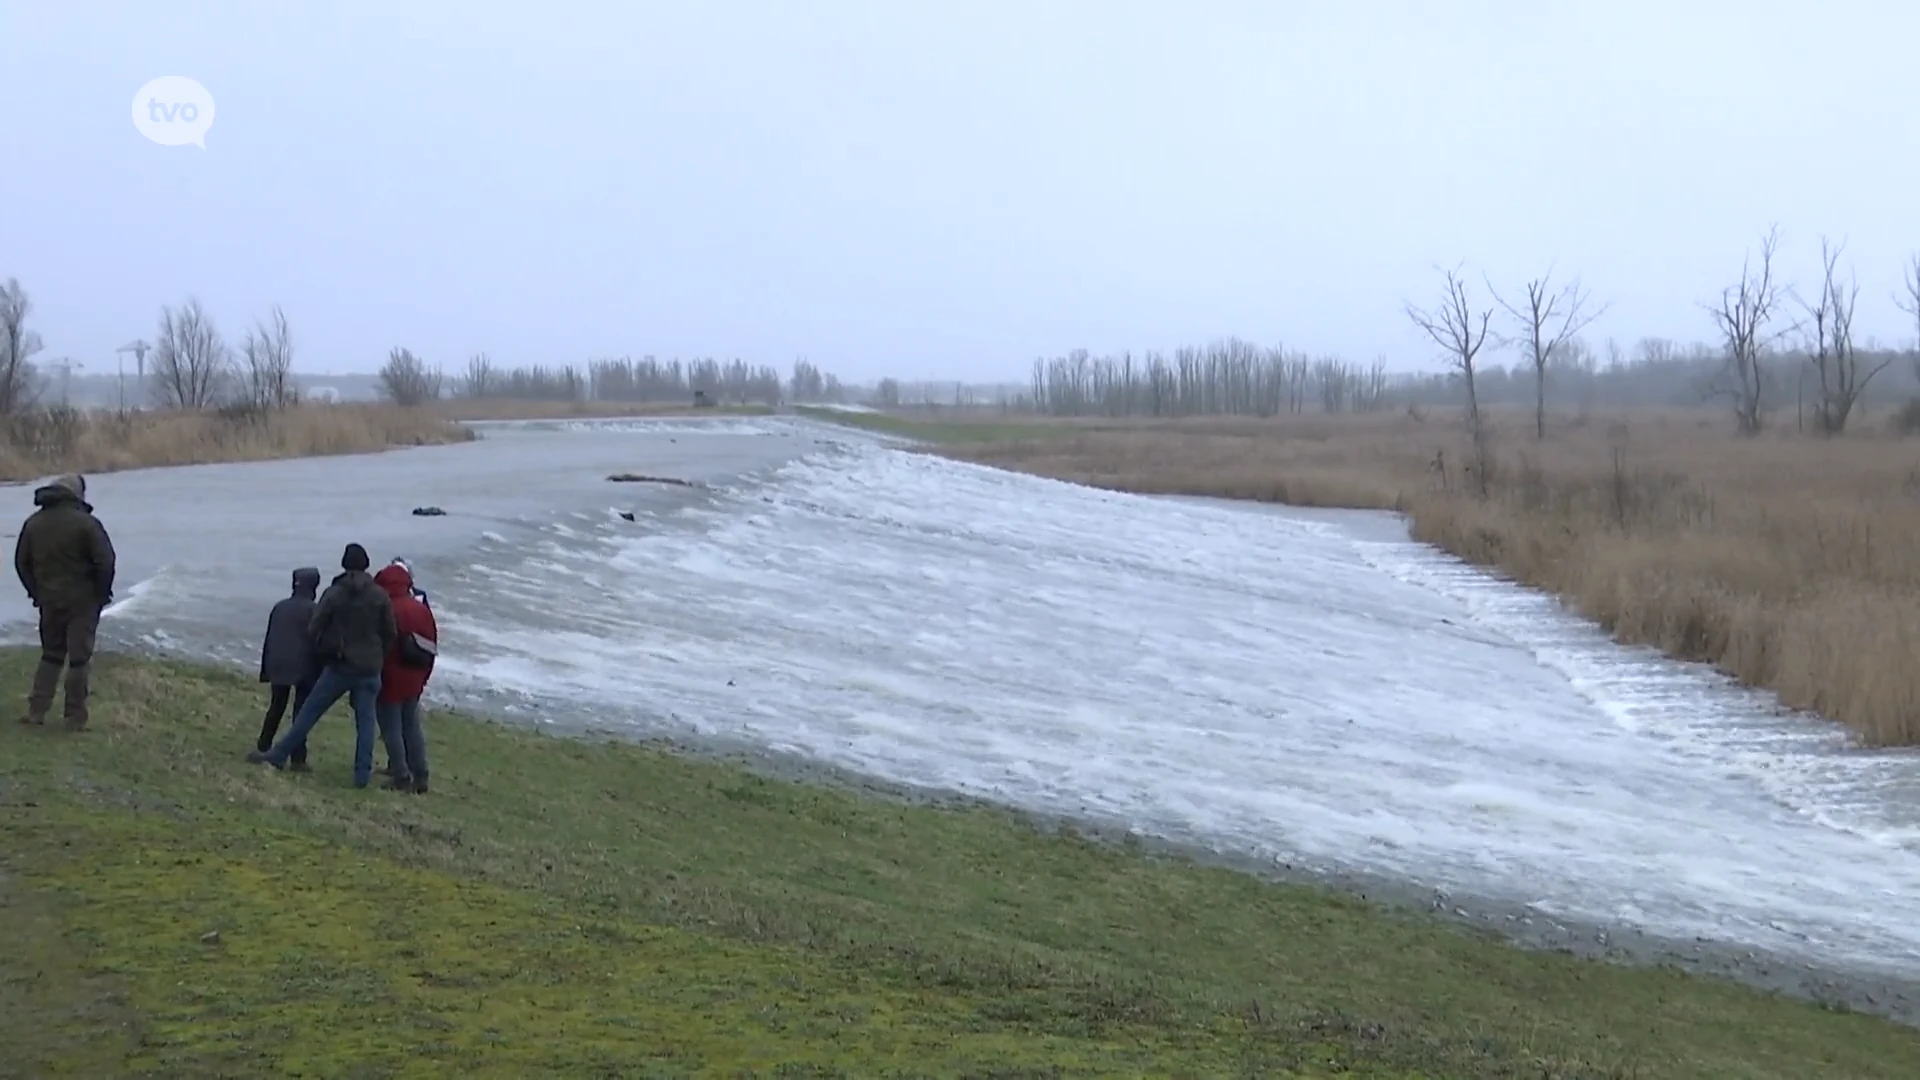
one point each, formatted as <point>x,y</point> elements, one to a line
<point>255,757</point>
<point>400,783</point>
<point>32,720</point>
<point>420,787</point>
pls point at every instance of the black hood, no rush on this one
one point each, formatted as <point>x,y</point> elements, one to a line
<point>56,493</point>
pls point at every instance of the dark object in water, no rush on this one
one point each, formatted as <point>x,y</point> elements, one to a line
<point>428,511</point>
<point>625,515</point>
<point>639,478</point>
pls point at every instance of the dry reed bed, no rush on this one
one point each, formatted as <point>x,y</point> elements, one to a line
<point>1791,563</point>
<point>39,444</point>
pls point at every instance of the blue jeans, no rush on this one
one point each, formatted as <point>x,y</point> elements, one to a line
<point>331,686</point>
<point>406,741</point>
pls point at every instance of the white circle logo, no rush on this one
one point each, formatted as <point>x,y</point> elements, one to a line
<point>174,110</point>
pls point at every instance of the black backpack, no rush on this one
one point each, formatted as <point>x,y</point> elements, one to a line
<point>417,650</point>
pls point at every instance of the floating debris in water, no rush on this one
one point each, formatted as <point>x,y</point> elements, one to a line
<point>641,478</point>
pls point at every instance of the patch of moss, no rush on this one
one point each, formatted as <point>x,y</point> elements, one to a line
<point>565,908</point>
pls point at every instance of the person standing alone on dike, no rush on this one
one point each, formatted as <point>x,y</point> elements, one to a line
<point>353,631</point>
<point>66,561</point>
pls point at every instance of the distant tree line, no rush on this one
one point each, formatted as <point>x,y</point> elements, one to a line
<point>1579,377</point>
<point>1774,349</point>
<point>407,380</point>
<point>1775,352</point>
<point>1230,377</point>
<point>189,364</point>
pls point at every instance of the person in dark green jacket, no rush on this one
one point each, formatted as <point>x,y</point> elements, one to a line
<point>65,560</point>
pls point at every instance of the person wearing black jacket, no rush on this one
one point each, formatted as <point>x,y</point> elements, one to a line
<point>353,631</point>
<point>287,661</point>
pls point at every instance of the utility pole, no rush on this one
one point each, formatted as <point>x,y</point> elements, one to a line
<point>138,347</point>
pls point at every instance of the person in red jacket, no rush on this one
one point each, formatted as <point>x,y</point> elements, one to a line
<point>403,678</point>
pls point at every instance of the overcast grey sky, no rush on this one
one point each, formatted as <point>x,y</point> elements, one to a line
<point>940,189</point>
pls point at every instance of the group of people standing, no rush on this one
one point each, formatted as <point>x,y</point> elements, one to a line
<point>370,638</point>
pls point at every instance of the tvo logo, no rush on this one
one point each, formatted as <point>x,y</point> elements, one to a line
<point>173,110</point>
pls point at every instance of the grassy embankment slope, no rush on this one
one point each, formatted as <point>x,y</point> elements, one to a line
<point>1787,561</point>
<point>563,908</point>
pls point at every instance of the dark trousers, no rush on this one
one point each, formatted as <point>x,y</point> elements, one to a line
<point>66,641</point>
<point>277,710</point>
<point>332,685</point>
<point>406,740</point>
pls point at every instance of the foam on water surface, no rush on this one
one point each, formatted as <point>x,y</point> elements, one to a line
<point>1252,681</point>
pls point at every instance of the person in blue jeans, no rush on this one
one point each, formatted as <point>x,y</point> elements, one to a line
<point>353,631</point>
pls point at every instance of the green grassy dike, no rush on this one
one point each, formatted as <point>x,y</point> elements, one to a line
<point>564,908</point>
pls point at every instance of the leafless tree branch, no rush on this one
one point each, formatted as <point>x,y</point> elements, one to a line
<point>1830,346</point>
<point>1461,332</point>
<point>19,379</point>
<point>191,363</point>
<point>1544,323</point>
<point>1746,317</point>
<point>408,381</point>
<point>267,356</point>
<point>1910,303</point>
<point>481,379</point>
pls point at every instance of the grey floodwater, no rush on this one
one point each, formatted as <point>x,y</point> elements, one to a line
<point>1308,695</point>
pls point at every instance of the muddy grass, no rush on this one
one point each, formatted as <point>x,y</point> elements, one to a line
<point>558,907</point>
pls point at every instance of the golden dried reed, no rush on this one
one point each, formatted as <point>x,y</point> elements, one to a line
<point>41,442</point>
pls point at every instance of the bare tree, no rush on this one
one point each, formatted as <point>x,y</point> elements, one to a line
<point>1543,324</point>
<point>1910,303</point>
<point>408,381</point>
<point>19,379</point>
<point>1460,332</point>
<point>481,379</point>
<point>191,363</point>
<point>1830,348</point>
<point>267,355</point>
<point>1745,319</point>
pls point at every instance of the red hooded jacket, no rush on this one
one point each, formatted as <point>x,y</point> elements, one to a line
<point>398,682</point>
